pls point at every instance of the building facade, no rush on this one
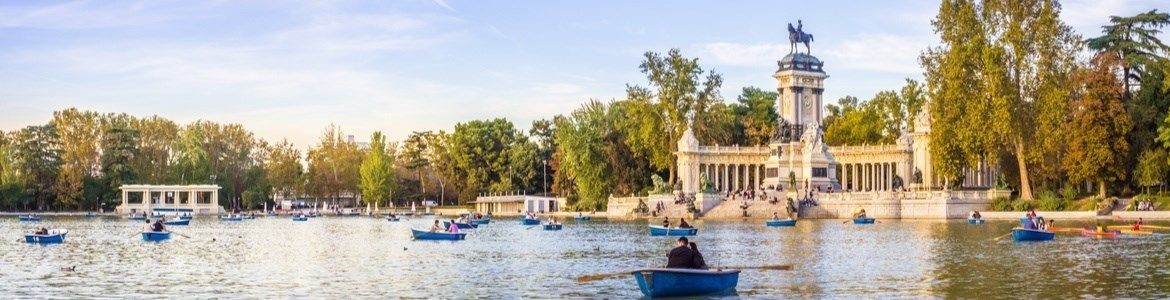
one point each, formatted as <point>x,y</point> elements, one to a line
<point>144,198</point>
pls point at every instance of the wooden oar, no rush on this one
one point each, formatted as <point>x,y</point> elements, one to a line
<point>596,277</point>
<point>531,227</point>
<point>1002,236</point>
<point>180,234</point>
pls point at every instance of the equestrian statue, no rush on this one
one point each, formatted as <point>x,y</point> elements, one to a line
<point>797,35</point>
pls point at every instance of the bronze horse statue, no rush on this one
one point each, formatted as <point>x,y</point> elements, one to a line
<point>797,35</point>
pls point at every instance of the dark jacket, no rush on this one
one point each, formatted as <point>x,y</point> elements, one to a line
<point>699,262</point>
<point>681,257</point>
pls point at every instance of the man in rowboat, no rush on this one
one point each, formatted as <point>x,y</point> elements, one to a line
<point>1137,226</point>
<point>681,256</point>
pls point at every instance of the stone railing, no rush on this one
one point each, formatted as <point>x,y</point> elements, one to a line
<point>866,149</point>
<point>733,149</point>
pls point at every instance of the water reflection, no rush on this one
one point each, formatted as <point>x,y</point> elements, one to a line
<point>337,257</point>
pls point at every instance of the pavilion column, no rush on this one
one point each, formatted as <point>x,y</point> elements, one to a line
<point>882,179</point>
<point>744,183</point>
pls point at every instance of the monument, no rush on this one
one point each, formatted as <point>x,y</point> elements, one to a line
<point>799,147</point>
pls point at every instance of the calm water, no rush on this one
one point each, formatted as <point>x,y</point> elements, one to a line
<point>335,257</point>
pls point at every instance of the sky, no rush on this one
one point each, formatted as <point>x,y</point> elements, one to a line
<point>289,69</point>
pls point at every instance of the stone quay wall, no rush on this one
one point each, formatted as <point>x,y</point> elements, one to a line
<point>903,205</point>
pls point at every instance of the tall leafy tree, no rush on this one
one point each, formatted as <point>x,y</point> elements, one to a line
<point>377,172</point>
<point>119,150</point>
<point>679,96</point>
<point>38,155</point>
<point>414,158</point>
<point>80,134</point>
<point>284,169</point>
<point>334,165</point>
<point>1135,40</point>
<point>999,77</point>
<point>1101,124</point>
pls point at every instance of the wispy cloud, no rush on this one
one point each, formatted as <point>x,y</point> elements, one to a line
<point>738,54</point>
<point>444,4</point>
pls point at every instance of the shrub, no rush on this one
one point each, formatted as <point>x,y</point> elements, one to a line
<point>1049,202</point>
<point>1068,193</point>
<point>1001,204</point>
<point>1021,205</point>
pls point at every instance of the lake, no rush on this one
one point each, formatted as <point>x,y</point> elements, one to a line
<point>363,257</point>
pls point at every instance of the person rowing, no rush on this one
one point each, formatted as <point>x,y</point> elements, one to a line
<point>158,226</point>
<point>1137,226</point>
<point>552,220</point>
<point>42,231</point>
<point>436,227</point>
<point>666,222</point>
<point>975,215</point>
<point>860,213</point>
<point>775,216</point>
<point>682,223</point>
<point>682,256</point>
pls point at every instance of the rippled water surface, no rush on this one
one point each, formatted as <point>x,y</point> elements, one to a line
<point>361,257</point>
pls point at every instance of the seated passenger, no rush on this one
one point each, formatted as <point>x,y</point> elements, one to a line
<point>682,223</point>
<point>436,227</point>
<point>454,228</point>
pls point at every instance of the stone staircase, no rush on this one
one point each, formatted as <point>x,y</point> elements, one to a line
<point>759,209</point>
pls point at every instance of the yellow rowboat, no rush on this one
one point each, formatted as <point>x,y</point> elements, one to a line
<point>1143,227</point>
<point>1135,232</point>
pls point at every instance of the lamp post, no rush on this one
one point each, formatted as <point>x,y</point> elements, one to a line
<point>544,177</point>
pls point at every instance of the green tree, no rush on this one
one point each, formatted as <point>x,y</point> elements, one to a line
<point>1000,77</point>
<point>755,113</point>
<point>414,157</point>
<point>853,123</point>
<point>679,97</point>
<point>1152,168</point>
<point>377,171</point>
<point>1135,40</point>
<point>1101,124</point>
<point>39,159</point>
<point>80,134</point>
<point>119,150</point>
<point>284,169</point>
<point>334,165</point>
<point>580,137</point>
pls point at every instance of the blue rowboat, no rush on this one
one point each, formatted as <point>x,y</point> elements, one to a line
<point>781,223</point>
<point>583,218</point>
<point>156,235</point>
<point>671,282</point>
<point>90,214</point>
<point>552,226</point>
<point>392,218</point>
<point>29,218</point>
<point>420,234</point>
<point>481,221</point>
<point>1020,234</point>
<point>55,236</point>
<point>863,220</point>
<point>656,230</point>
<point>527,221</point>
<point>136,217</point>
<point>185,217</point>
<point>231,218</point>
<point>248,217</point>
<point>460,225</point>
<point>975,221</point>
<point>178,222</point>
<point>300,218</point>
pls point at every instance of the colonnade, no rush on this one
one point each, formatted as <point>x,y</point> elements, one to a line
<point>862,177</point>
<point>733,177</point>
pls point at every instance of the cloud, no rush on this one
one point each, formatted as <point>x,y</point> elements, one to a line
<point>737,54</point>
<point>444,4</point>
<point>876,52</point>
<point>558,88</point>
<point>82,15</point>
